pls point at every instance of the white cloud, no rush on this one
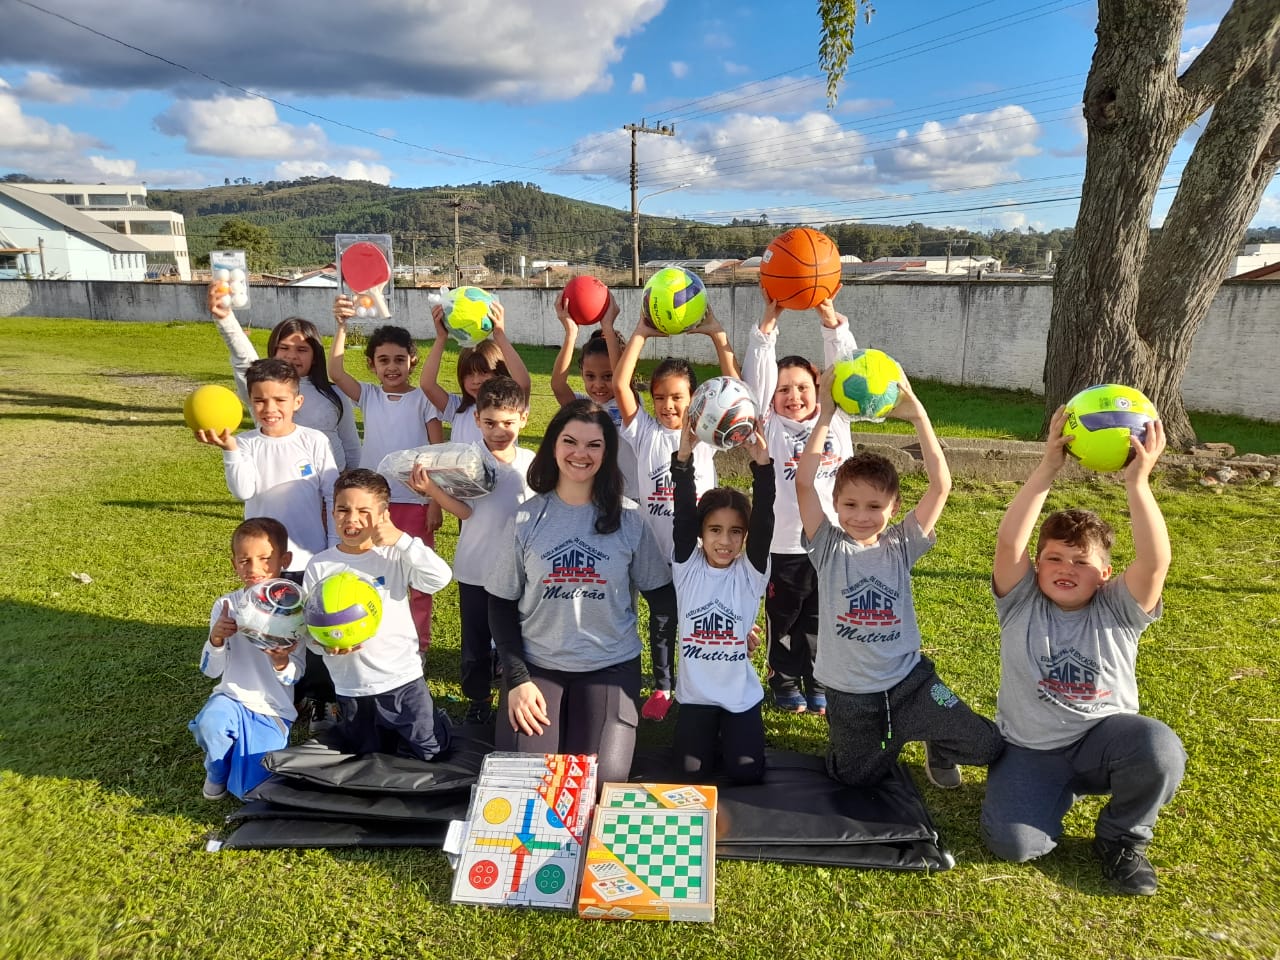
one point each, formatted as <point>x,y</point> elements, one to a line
<point>22,132</point>
<point>305,46</point>
<point>1080,130</point>
<point>1268,214</point>
<point>977,148</point>
<point>779,95</point>
<point>679,69</point>
<point>637,83</point>
<point>351,170</point>
<point>734,69</point>
<point>46,88</point>
<point>245,127</point>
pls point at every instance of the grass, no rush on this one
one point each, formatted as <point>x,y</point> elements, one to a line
<point>102,829</point>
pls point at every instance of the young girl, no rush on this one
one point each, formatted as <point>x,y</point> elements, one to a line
<point>494,357</point>
<point>653,439</point>
<point>560,599</point>
<point>786,394</point>
<point>396,417</point>
<point>600,354</point>
<point>718,591</point>
<point>297,341</point>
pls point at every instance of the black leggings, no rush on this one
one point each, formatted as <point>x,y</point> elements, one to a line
<point>704,731</point>
<point>591,712</point>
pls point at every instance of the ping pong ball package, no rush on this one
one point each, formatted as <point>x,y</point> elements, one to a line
<point>362,275</point>
<point>230,269</point>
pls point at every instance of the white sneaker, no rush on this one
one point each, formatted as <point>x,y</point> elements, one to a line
<point>213,791</point>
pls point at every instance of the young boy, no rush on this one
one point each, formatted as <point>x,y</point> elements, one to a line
<point>881,691</point>
<point>250,710</point>
<point>1068,700</point>
<point>501,412</point>
<point>383,702</point>
<point>280,470</point>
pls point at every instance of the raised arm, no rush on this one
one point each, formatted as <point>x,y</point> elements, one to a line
<point>811,512</point>
<point>763,490</point>
<point>930,505</point>
<point>684,528</point>
<point>1012,561</point>
<point>430,379</point>
<point>760,370</point>
<point>564,359</point>
<point>710,326</point>
<point>343,310</point>
<point>238,343</point>
<point>1152,552</point>
<point>515,366</point>
<point>837,337</point>
<point>624,393</point>
<point>420,481</point>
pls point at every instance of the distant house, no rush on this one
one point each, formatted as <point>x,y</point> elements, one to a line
<point>123,207</point>
<point>1269,272</point>
<point>1253,257</point>
<point>67,244</point>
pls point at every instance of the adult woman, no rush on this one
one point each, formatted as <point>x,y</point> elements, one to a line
<point>297,341</point>
<point>560,599</point>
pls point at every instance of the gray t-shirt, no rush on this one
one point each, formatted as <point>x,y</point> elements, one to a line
<point>1061,671</point>
<point>575,586</point>
<point>868,639</point>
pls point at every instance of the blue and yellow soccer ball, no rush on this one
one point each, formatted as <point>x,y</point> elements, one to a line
<point>466,315</point>
<point>343,610</point>
<point>865,384</point>
<point>1100,420</point>
<point>674,300</point>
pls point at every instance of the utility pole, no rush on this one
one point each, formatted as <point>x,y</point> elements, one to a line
<point>459,202</point>
<point>665,130</point>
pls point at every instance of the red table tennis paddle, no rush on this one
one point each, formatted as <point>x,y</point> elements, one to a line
<point>366,271</point>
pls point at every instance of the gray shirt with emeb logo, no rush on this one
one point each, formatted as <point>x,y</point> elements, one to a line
<point>574,586</point>
<point>1061,671</point>
<point>868,639</point>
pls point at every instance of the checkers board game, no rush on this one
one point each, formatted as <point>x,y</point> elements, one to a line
<point>652,854</point>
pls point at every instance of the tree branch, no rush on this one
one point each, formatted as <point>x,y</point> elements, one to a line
<point>1248,29</point>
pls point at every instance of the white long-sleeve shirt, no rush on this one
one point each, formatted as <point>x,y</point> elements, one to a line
<point>247,674</point>
<point>389,659</point>
<point>289,479</point>
<point>786,438</point>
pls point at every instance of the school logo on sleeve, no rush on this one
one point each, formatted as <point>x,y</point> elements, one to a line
<point>872,615</point>
<point>1070,678</point>
<point>573,573</point>
<point>662,493</point>
<point>304,469</point>
<point>715,635</point>
<point>830,460</point>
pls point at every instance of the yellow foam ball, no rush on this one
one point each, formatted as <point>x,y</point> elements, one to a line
<point>212,407</point>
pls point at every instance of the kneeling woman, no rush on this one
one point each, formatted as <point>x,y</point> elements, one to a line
<point>561,594</point>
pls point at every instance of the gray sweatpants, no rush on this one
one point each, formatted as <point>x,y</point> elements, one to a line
<point>1137,760</point>
<point>869,730</point>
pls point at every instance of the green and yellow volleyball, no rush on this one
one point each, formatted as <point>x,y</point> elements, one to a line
<point>674,300</point>
<point>865,384</point>
<point>1100,421</point>
<point>343,610</point>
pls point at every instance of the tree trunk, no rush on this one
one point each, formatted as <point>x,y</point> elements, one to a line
<point>1135,110</point>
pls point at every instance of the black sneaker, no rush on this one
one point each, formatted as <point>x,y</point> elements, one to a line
<point>941,773</point>
<point>479,712</point>
<point>1126,869</point>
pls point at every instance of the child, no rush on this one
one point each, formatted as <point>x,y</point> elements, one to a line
<point>250,710</point>
<point>1068,700</point>
<point>280,470</point>
<point>501,411</point>
<point>653,439</point>
<point>881,691</point>
<point>297,341</point>
<point>718,591</point>
<point>493,357</point>
<point>396,417</point>
<point>786,396</point>
<point>600,354</point>
<point>383,702</point>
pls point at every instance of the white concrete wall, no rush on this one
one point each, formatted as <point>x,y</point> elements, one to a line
<point>977,333</point>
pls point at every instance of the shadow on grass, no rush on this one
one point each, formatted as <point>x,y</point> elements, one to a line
<point>231,511</point>
<point>32,398</point>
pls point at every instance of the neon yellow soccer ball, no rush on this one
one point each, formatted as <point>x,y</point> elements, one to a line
<point>865,385</point>
<point>674,300</point>
<point>343,610</point>
<point>1100,419</point>
<point>466,315</point>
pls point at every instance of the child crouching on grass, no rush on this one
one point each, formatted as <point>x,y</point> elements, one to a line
<point>383,702</point>
<point>251,708</point>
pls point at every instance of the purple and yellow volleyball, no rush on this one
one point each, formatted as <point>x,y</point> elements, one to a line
<point>674,300</point>
<point>343,610</point>
<point>1100,421</point>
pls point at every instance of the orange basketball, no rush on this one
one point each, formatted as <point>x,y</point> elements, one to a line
<point>800,269</point>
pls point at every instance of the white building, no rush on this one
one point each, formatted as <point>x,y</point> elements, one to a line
<point>123,207</point>
<point>1253,256</point>
<point>48,239</point>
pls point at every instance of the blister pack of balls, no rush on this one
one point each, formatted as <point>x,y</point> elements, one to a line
<point>365,264</point>
<point>230,271</point>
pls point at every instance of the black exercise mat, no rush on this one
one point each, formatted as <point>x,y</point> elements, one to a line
<point>379,773</point>
<point>304,833</point>
<point>908,855</point>
<point>339,804</point>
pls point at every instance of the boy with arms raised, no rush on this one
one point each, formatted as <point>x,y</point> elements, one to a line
<point>1068,701</point>
<point>881,691</point>
<point>383,702</point>
<point>280,470</point>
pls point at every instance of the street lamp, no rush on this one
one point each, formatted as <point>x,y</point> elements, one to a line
<point>635,230</point>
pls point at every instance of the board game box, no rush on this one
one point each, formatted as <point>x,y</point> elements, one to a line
<point>652,854</point>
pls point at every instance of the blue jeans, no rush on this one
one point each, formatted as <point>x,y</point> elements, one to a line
<point>234,740</point>
<point>1137,760</point>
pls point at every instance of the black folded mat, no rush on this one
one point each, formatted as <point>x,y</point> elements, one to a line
<point>380,773</point>
<point>302,833</point>
<point>339,804</point>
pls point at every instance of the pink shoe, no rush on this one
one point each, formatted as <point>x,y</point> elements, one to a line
<point>656,707</point>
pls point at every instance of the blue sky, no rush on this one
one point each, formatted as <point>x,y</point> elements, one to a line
<point>956,112</point>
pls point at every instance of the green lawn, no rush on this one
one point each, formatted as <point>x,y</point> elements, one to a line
<point>102,828</point>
